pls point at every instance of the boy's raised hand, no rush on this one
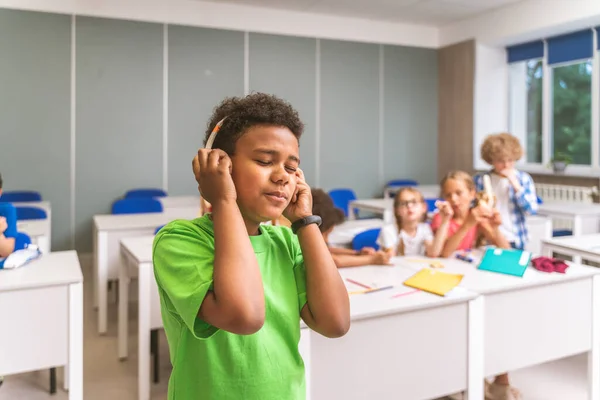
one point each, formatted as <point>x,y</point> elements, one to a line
<point>212,169</point>
<point>300,205</point>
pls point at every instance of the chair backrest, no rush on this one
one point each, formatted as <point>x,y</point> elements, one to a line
<point>137,205</point>
<point>21,241</point>
<point>367,238</point>
<point>149,192</point>
<point>25,213</point>
<point>341,198</point>
<point>158,229</point>
<point>539,200</point>
<point>21,196</point>
<point>431,204</point>
<point>402,182</point>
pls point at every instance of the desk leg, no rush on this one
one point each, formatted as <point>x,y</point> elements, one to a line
<point>546,250</point>
<point>144,333</point>
<point>102,280</point>
<point>594,354</point>
<point>475,365</point>
<point>123,307</point>
<point>577,225</point>
<point>74,371</point>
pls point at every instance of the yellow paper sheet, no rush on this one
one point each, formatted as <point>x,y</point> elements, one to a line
<point>434,281</point>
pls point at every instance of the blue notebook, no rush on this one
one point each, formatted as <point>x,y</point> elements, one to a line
<point>505,261</point>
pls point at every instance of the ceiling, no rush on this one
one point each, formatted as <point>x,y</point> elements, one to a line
<point>421,12</point>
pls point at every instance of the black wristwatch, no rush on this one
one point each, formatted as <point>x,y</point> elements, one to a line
<point>311,219</point>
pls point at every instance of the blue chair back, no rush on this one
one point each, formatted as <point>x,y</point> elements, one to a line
<point>137,205</point>
<point>21,241</point>
<point>367,238</point>
<point>341,198</point>
<point>539,200</point>
<point>431,204</point>
<point>158,229</point>
<point>145,193</point>
<point>25,213</point>
<point>21,196</point>
<point>402,182</point>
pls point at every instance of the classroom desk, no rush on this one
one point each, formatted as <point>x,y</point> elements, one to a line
<point>540,228</point>
<point>428,191</point>
<point>371,345</point>
<point>585,216</point>
<point>393,348</point>
<point>342,234</point>
<point>586,247</point>
<point>179,201</point>
<point>39,232</point>
<point>41,305</point>
<point>535,319</point>
<point>384,207</point>
<point>108,231</point>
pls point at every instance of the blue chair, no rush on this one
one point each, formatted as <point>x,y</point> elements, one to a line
<point>20,196</point>
<point>25,213</point>
<point>145,193</point>
<point>341,198</point>
<point>402,182</point>
<point>158,229</point>
<point>431,204</point>
<point>539,200</point>
<point>21,241</point>
<point>367,238</point>
<point>562,232</point>
<point>137,205</point>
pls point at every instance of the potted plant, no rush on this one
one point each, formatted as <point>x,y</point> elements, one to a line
<point>560,161</point>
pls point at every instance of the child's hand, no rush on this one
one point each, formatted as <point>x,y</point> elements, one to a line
<point>381,258</point>
<point>301,203</point>
<point>3,225</point>
<point>445,209</point>
<point>477,215</point>
<point>495,219</point>
<point>367,250</point>
<point>212,169</point>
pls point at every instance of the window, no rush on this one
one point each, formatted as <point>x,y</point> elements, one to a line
<point>552,106</point>
<point>572,112</point>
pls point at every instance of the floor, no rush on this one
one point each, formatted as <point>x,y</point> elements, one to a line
<point>105,377</point>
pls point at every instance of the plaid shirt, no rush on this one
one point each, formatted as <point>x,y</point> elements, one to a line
<point>521,204</point>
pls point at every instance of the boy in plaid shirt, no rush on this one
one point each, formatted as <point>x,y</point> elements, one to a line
<point>514,189</point>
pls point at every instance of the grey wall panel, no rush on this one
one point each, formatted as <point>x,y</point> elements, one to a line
<point>119,114</point>
<point>35,59</point>
<point>205,66</point>
<point>349,155</point>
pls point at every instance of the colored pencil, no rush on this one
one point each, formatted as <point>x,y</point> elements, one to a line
<point>358,283</point>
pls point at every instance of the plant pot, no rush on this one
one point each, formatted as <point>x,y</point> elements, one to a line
<point>559,166</point>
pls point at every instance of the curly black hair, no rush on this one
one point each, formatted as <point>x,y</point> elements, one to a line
<point>245,112</point>
<point>323,207</point>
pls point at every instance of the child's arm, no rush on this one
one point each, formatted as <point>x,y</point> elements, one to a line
<point>344,251</point>
<point>327,310</point>
<point>435,248</point>
<point>237,302</point>
<point>525,197</point>
<point>7,245</point>
<point>358,260</point>
<point>491,231</point>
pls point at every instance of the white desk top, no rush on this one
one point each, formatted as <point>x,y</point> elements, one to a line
<point>377,203</point>
<point>382,303</point>
<point>139,248</point>
<point>569,209</point>
<point>584,243</point>
<point>115,222</point>
<point>345,232</point>
<point>485,282</point>
<point>179,201</point>
<point>34,227</point>
<point>51,269</point>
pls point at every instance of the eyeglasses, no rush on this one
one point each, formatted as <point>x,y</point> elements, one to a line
<point>407,203</point>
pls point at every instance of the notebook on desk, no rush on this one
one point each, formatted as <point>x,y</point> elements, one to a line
<point>505,261</point>
<point>434,281</point>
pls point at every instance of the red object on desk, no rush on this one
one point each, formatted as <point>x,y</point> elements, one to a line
<point>547,264</point>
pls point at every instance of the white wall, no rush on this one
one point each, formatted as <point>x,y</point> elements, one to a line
<point>524,21</point>
<point>490,98</point>
<point>241,18</point>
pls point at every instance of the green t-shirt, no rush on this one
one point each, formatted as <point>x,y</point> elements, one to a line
<point>212,364</point>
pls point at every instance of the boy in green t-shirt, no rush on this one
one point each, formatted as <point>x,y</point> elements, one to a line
<point>233,290</point>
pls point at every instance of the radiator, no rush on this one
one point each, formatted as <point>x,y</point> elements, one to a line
<point>565,193</point>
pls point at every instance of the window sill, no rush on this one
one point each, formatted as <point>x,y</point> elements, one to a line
<point>575,171</point>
